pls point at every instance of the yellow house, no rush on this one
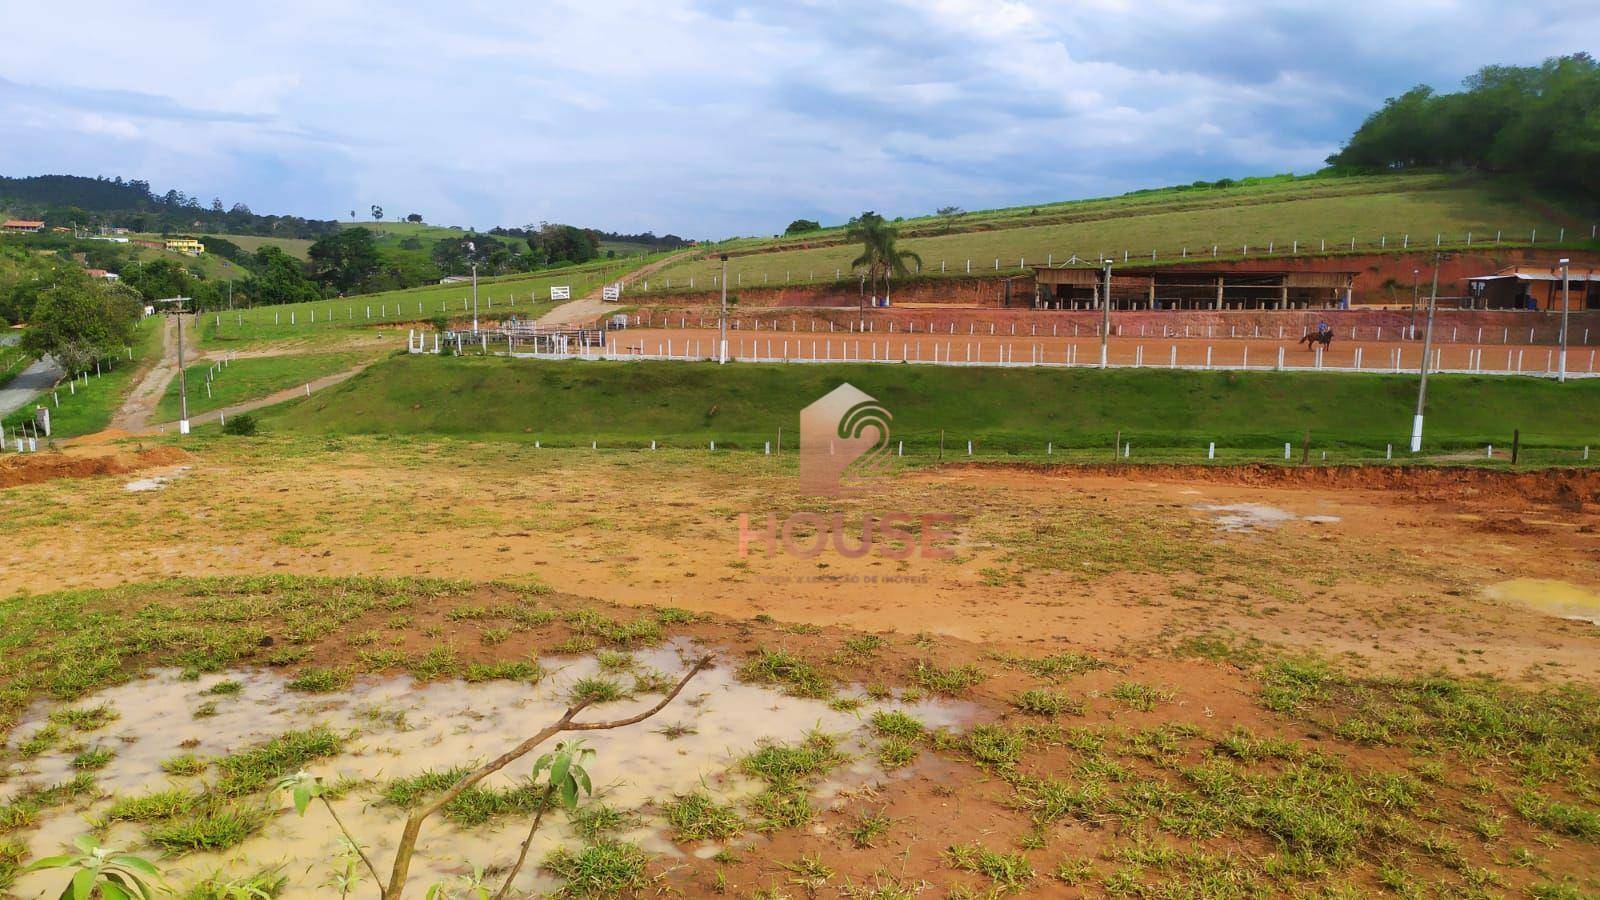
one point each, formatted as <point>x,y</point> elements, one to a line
<point>186,245</point>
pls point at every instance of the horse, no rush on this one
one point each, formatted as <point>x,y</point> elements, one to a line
<point>1325,338</point>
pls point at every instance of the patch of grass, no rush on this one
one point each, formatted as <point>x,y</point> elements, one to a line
<point>696,817</point>
<point>947,682</point>
<point>1561,818</point>
<point>1046,703</point>
<point>267,883</point>
<point>994,745</point>
<point>257,768</point>
<point>154,807</point>
<point>1142,697</point>
<point>183,765</point>
<point>1058,666</point>
<point>641,632</point>
<point>798,677</point>
<point>473,806</point>
<point>1010,872</point>
<point>86,718</point>
<point>897,724</point>
<point>40,741</point>
<point>313,680</point>
<point>595,820</point>
<point>601,869</point>
<point>212,827</point>
<point>24,808</point>
<point>224,688</point>
<point>867,828</point>
<point>895,752</point>
<point>510,670</point>
<point>93,759</point>
<point>786,764</point>
<point>596,689</point>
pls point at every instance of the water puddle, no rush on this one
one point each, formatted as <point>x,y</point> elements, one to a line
<point>1256,516</point>
<point>402,728</point>
<point>154,482</point>
<point>1546,595</point>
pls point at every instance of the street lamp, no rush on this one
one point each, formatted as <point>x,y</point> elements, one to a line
<point>722,325</point>
<point>183,386</point>
<point>1566,305</point>
<point>1105,316</point>
<point>1427,347</point>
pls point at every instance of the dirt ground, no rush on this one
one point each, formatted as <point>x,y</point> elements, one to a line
<point>1162,591</point>
<point>1153,350</point>
<point>1118,560</point>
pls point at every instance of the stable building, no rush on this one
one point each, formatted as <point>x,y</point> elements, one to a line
<point>1190,287</point>
<point>21,226</point>
<point>1533,288</point>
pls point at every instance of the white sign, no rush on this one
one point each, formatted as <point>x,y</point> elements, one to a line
<point>560,292</point>
<point>611,292</point>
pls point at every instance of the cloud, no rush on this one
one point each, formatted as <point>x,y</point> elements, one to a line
<point>713,117</point>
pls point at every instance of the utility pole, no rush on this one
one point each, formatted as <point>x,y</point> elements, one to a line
<point>1415,285</point>
<point>1566,305</point>
<point>1105,316</point>
<point>183,387</point>
<point>722,324</point>
<point>474,297</point>
<point>1427,348</point>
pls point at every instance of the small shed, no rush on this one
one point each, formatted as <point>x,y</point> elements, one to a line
<point>1534,288</point>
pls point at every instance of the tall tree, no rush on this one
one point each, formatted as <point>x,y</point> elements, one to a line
<point>879,254</point>
<point>79,321</point>
<point>345,259</point>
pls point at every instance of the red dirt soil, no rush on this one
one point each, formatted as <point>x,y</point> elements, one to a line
<point>83,462</point>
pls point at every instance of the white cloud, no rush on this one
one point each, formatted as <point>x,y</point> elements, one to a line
<point>707,117</point>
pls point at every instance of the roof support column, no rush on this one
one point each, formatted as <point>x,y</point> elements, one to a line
<point>1219,292</point>
<point>1283,297</point>
<point>1152,292</point>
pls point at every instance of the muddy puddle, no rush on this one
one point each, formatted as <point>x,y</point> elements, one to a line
<point>1256,516</point>
<point>155,482</point>
<point>400,728</point>
<point>1545,595</point>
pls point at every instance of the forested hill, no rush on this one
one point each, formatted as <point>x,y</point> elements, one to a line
<point>1540,122</point>
<point>68,199</point>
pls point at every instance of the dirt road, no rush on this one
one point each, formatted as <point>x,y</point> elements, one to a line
<point>591,306</point>
<point>302,390</point>
<point>136,411</point>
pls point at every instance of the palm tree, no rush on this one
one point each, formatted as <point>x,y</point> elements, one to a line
<point>878,252</point>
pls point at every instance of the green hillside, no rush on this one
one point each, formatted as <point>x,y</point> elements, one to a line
<point>1317,212</point>
<point>1004,410</point>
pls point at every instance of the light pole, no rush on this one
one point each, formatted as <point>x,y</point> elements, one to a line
<point>474,297</point>
<point>1427,347</point>
<point>1566,305</point>
<point>1105,316</point>
<point>722,324</point>
<point>1415,286</point>
<point>183,386</point>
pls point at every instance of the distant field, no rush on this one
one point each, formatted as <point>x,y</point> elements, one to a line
<point>1373,211</point>
<point>295,247</point>
<point>1003,410</point>
<point>210,265</point>
<point>526,294</point>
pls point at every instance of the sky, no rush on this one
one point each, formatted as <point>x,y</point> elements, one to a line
<point>709,119</point>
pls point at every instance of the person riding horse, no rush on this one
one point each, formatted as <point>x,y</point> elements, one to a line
<point>1323,335</point>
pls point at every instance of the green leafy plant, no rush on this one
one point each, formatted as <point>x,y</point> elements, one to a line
<point>116,875</point>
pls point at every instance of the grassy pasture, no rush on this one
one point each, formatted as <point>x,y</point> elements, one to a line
<point>1002,410</point>
<point>1310,213</point>
<point>248,379</point>
<point>250,243</point>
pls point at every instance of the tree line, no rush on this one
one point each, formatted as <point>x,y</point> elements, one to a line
<point>1541,122</point>
<point>66,200</point>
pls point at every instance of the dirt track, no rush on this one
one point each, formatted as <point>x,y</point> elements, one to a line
<point>1152,352</point>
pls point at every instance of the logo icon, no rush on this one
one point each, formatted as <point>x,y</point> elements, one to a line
<point>845,430</point>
